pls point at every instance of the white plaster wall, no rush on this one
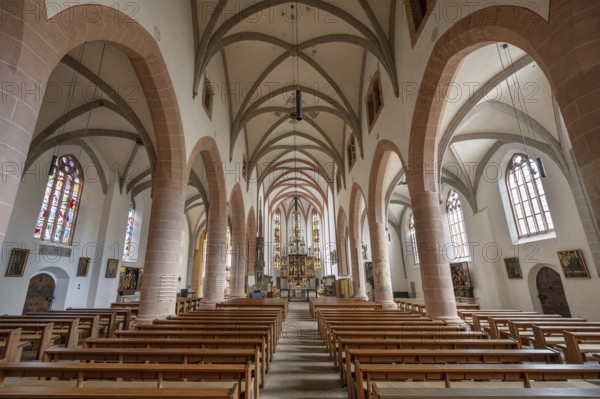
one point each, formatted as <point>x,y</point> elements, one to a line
<point>515,293</point>
<point>71,290</point>
<point>399,282</point>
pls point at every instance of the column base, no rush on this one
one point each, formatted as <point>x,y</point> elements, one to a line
<point>361,297</point>
<point>145,320</point>
<point>207,305</point>
<point>389,305</point>
<point>233,294</point>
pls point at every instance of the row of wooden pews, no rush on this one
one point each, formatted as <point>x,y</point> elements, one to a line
<point>388,354</point>
<point>222,353</point>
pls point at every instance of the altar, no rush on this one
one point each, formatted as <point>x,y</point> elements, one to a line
<point>298,294</point>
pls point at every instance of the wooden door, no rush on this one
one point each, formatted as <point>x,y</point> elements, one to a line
<point>39,294</point>
<point>552,293</point>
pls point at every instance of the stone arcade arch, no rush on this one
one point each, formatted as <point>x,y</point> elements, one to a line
<point>31,61</point>
<point>342,226</point>
<point>213,285</point>
<point>357,206</point>
<point>238,241</point>
<point>573,73</point>
<point>377,216</point>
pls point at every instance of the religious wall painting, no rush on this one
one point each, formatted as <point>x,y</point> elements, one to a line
<point>573,263</point>
<point>130,278</point>
<point>513,269</point>
<point>17,262</point>
<point>461,280</point>
<point>83,266</point>
<point>111,268</point>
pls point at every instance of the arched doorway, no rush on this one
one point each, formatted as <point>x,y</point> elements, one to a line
<point>551,292</point>
<point>40,293</point>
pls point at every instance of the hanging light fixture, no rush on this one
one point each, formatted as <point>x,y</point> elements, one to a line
<point>538,160</point>
<point>68,104</point>
<point>295,23</point>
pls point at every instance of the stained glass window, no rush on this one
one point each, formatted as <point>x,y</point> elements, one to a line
<point>58,214</point>
<point>316,240</point>
<point>413,238</point>
<point>456,223</point>
<point>127,248</point>
<point>527,197</point>
<point>277,238</point>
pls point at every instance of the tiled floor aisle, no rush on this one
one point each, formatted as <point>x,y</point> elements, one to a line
<point>301,367</point>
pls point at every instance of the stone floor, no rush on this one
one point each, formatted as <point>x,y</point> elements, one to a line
<point>301,367</point>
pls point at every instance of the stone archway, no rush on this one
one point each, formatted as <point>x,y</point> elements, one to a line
<point>357,207</point>
<point>573,73</point>
<point>213,286</point>
<point>238,241</point>
<point>251,243</point>
<point>30,61</point>
<point>342,226</point>
<point>376,211</point>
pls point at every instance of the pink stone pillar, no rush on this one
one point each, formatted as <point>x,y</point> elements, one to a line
<point>216,245</point>
<point>435,272</point>
<point>237,285</point>
<point>358,269</point>
<point>159,289</point>
<point>381,265</point>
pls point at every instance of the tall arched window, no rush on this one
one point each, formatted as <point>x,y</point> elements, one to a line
<point>127,248</point>
<point>527,197</point>
<point>413,238</point>
<point>316,240</point>
<point>277,238</point>
<point>58,214</point>
<point>456,223</point>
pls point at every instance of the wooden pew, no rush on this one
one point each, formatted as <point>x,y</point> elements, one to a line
<point>161,372</point>
<point>66,329</point>
<point>107,320</point>
<point>477,319</point>
<point>522,330</point>
<point>336,349</point>
<point>577,344</point>
<point>38,334</point>
<point>549,336</point>
<point>224,314</point>
<point>339,303</point>
<point>118,393</point>
<point>239,333</point>
<point>145,355</point>
<point>88,326</point>
<point>441,356</point>
<point>449,373</point>
<point>11,348</point>
<point>123,314</point>
<point>186,343</point>
<point>483,393</point>
<point>409,324</point>
<point>265,303</point>
<point>498,325</point>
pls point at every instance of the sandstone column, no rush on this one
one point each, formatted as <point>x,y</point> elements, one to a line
<point>381,265</point>
<point>358,269</point>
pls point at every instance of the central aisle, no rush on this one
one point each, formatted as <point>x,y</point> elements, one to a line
<point>301,367</point>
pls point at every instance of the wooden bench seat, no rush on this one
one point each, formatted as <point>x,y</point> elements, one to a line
<point>189,343</point>
<point>488,322</point>
<point>118,393</point>
<point>483,393</point>
<point>478,319</point>
<point>442,356</point>
<point>264,303</point>
<point>87,327</point>
<point>577,344</point>
<point>522,330</point>
<point>498,326</point>
<point>325,328</point>
<point>234,317</point>
<point>549,336</point>
<point>66,329</point>
<point>81,372</point>
<point>11,346</point>
<point>448,373</point>
<point>335,350</point>
<point>159,355</point>
<point>107,321</point>
<point>39,335</point>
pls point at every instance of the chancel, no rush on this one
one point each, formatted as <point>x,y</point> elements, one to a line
<point>308,199</point>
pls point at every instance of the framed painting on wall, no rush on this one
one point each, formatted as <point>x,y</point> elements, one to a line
<point>513,269</point>
<point>83,266</point>
<point>17,262</point>
<point>573,263</point>
<point>111,268</point>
